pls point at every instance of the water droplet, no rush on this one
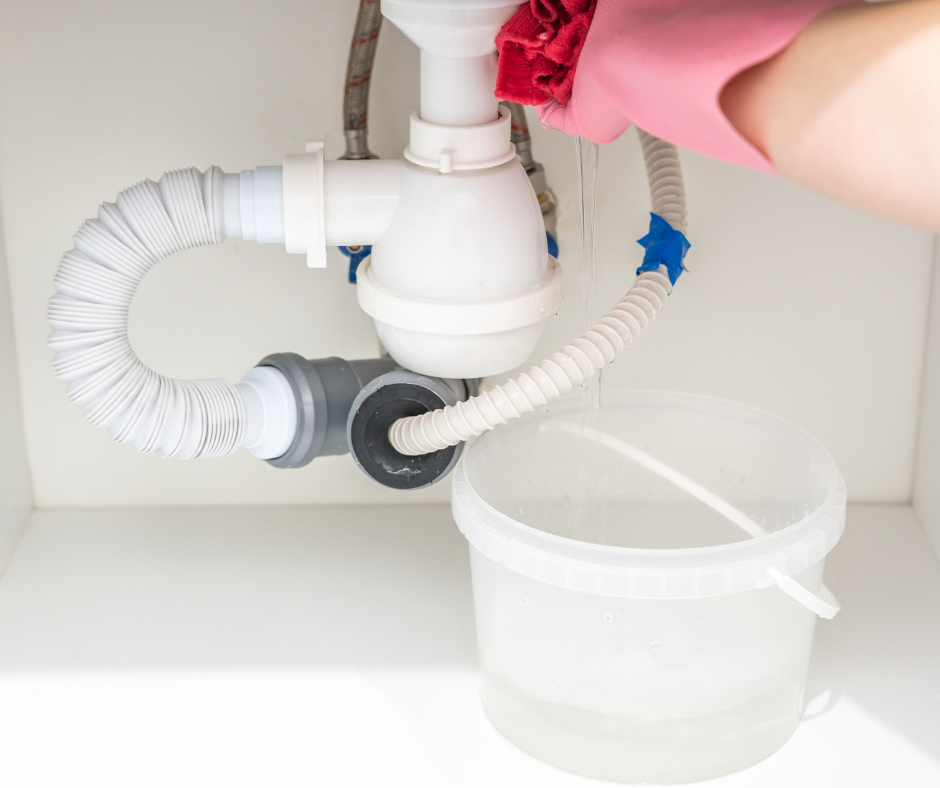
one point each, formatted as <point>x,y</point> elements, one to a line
<point>655,644</point>
<point>525,600</point>
<point>760,643</point>
<point>558,683</point>
<point>608,617</point>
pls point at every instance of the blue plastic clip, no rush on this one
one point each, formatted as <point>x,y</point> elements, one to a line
<point>664,246</point>
<point>356,255</point>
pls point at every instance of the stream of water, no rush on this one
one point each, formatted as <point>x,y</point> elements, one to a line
<point>587,154</point>
<point>590,469</point>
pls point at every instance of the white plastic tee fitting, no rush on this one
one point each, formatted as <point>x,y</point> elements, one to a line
<point>347,203</point>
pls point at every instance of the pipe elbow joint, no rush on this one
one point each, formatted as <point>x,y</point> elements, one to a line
<point>297,410</point>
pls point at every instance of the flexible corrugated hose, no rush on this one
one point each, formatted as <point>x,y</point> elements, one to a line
<point>571,366</point>
<point>95,284</point>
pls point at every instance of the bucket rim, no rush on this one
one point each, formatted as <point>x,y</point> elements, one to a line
<point>651,572</point>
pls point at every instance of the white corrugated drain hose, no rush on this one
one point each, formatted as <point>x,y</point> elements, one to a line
<point>96,282</point>
<point>572,365</point>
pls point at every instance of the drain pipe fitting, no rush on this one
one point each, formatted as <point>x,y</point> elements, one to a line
<point>384,401</point>
<point>459,282</point>
<point>97,279</point>
<point>300,406</point>
<point>297,410</point>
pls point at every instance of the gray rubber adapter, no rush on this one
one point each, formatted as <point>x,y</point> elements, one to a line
<point>379,405</point>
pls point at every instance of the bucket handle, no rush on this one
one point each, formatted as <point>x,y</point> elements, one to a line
<point>824,605</point>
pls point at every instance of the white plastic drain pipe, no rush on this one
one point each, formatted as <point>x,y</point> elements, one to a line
<point>148,222</point>
<point>96,282</point>
<point>466,253</point>
<point>572,365</point>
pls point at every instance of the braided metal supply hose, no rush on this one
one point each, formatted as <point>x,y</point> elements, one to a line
<point>358,78</point>
<point>95,284</point>
<point>571,366</point>
<point>519,134</point>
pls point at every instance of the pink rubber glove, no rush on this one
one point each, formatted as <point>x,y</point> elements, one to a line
<point>662,64</point>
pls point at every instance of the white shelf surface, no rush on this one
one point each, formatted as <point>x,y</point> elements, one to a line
<point>335,647</point>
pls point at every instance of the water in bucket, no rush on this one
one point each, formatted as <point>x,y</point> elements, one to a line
<point>646,568</point>
<point>650,638</point>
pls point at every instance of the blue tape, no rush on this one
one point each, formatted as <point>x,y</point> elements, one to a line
<point>664,246</point>
<point>552,244</point>
<point>356,255</point>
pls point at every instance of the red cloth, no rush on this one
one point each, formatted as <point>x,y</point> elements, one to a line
<point>539,48</point>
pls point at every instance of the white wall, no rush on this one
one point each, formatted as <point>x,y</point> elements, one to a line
<point>16,494</point>
<point>809,309</point>
<point>927,477</point>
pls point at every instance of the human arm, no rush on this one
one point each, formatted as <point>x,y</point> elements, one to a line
<point>851,108</point>
<point>840,96</point>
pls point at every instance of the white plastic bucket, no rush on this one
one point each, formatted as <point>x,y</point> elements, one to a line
<point>633,623</point>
